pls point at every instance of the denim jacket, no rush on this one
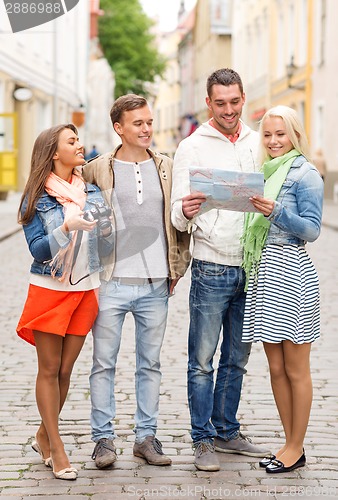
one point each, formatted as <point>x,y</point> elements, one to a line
<point>45,237</point>
<point>297,214</point>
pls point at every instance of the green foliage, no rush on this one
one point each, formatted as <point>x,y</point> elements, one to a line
<point>128,45</point>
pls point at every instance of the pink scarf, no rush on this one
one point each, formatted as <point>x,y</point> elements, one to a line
<point>72,197</point>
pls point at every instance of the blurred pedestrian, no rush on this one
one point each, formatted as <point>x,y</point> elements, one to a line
<point>149,259</point>
<point>217,280</point>
<point>62,298</point>
<point>92,154</point>
<point>282,305</point>
<point>319,162</point>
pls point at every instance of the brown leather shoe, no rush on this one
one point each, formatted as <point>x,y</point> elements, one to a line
<point>151,450</point>
<point>104,453</point>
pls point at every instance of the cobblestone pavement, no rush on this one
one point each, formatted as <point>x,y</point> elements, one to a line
<point>23,476</point>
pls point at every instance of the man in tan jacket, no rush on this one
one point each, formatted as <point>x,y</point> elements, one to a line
<point>149,258</point>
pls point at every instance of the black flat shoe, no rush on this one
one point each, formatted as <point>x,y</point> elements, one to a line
<point>266,461</point>
<point>277,467</point>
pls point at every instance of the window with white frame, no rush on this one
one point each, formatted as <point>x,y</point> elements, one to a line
<point>291,33</point>
<point>43,115</point>
<point>2,97</point>
<point>281,47</point>
<point>302,32</point>
<point>322,32</point>
<point>319,127</point>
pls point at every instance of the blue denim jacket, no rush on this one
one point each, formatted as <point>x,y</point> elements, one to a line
<point>297,214</point>
<point>45,237</point>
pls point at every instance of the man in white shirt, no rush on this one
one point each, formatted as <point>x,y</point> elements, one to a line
<point>217,279</point>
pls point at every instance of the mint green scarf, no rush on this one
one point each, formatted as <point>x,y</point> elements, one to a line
<point>256,225</point>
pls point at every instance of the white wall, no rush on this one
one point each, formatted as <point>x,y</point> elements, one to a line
<point>51,60</point>
<point>52,57</point>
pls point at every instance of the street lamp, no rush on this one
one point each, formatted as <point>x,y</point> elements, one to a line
<point>290,71</point>
<point>79,116</point>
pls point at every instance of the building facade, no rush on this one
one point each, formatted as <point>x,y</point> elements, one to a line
<point>324,102</point>
<point>49,62</point>
<point>100,91</point>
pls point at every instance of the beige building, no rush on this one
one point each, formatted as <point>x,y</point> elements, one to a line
<point>269,38</point>
<point>186,61</point>
<point>212,47</point>
<point>250,55</point>
<point>167,97</point>
<point>324,102</point>
<point>284,52</point>
<point>100,92</point>
<point>200,45</point>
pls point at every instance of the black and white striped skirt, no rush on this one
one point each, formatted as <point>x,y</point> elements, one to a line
<point>283,303</point>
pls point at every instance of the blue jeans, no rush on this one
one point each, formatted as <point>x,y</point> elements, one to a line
<point>217,301</point>
<point>149,306</point>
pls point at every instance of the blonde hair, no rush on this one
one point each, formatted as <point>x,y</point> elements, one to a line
<point>294,130</point>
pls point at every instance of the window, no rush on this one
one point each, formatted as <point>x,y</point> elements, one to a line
<point>319,124</point>
<point>322,34</point>
<point>2,98</point>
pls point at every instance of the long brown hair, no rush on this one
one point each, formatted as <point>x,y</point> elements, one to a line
<point>42,165</point>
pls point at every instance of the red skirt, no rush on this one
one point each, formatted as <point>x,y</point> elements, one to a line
<point>58,313</point>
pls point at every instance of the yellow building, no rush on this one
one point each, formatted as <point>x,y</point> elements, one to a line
<point>212,47</point>
<point>290,56</point>
<point>271,49</point>
<point>167,98</point>
<point>200,45</point>
<point>286,54</point>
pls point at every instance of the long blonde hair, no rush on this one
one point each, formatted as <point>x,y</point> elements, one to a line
<point>294,129</point>
<point>42,164</point>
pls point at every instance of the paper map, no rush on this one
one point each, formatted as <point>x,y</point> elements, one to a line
<point>227,190</point>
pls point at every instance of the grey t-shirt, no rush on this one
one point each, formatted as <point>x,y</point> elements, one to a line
<point>141,245</point>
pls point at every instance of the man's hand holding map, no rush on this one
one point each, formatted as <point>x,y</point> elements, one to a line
<point>227,190</point>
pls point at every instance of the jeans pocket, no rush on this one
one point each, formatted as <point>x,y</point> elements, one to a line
<point>108,288</point>
<point>160,288</point>
<point>208,268</point>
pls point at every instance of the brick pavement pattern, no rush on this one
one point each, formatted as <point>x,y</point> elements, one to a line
<point>23,476</point>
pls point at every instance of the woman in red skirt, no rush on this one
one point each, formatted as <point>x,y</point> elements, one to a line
<point>61,305</point>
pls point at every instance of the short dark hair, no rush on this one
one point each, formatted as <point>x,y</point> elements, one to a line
<point>124,103</point>
<point>224,76</point>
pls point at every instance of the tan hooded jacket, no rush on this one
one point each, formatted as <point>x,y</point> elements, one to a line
<point>100,171</point>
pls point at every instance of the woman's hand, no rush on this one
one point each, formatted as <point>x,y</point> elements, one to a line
<point>263,205</point>
<point>77,223</point>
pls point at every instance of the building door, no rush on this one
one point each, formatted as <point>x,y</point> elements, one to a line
<point>8,153</point>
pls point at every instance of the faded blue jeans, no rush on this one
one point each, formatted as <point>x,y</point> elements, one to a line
<point>149,306</point>
<point>217,301</point>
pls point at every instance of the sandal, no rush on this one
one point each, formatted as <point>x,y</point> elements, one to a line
<point>36,447</point>
<point>69,474</point>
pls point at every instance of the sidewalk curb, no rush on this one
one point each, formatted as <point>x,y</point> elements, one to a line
<point>330,226</point>
<point>7,235</point>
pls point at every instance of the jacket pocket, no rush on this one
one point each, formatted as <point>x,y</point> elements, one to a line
<point>48,213</point>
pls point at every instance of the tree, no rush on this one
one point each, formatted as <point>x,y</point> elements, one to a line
<point>128,45</point>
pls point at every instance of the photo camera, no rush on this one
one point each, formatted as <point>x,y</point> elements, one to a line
<point>101,213</point>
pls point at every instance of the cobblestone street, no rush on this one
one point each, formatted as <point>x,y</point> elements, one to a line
<point>23,476</point>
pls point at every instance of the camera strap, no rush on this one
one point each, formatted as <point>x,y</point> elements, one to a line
<point>76,252</point>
